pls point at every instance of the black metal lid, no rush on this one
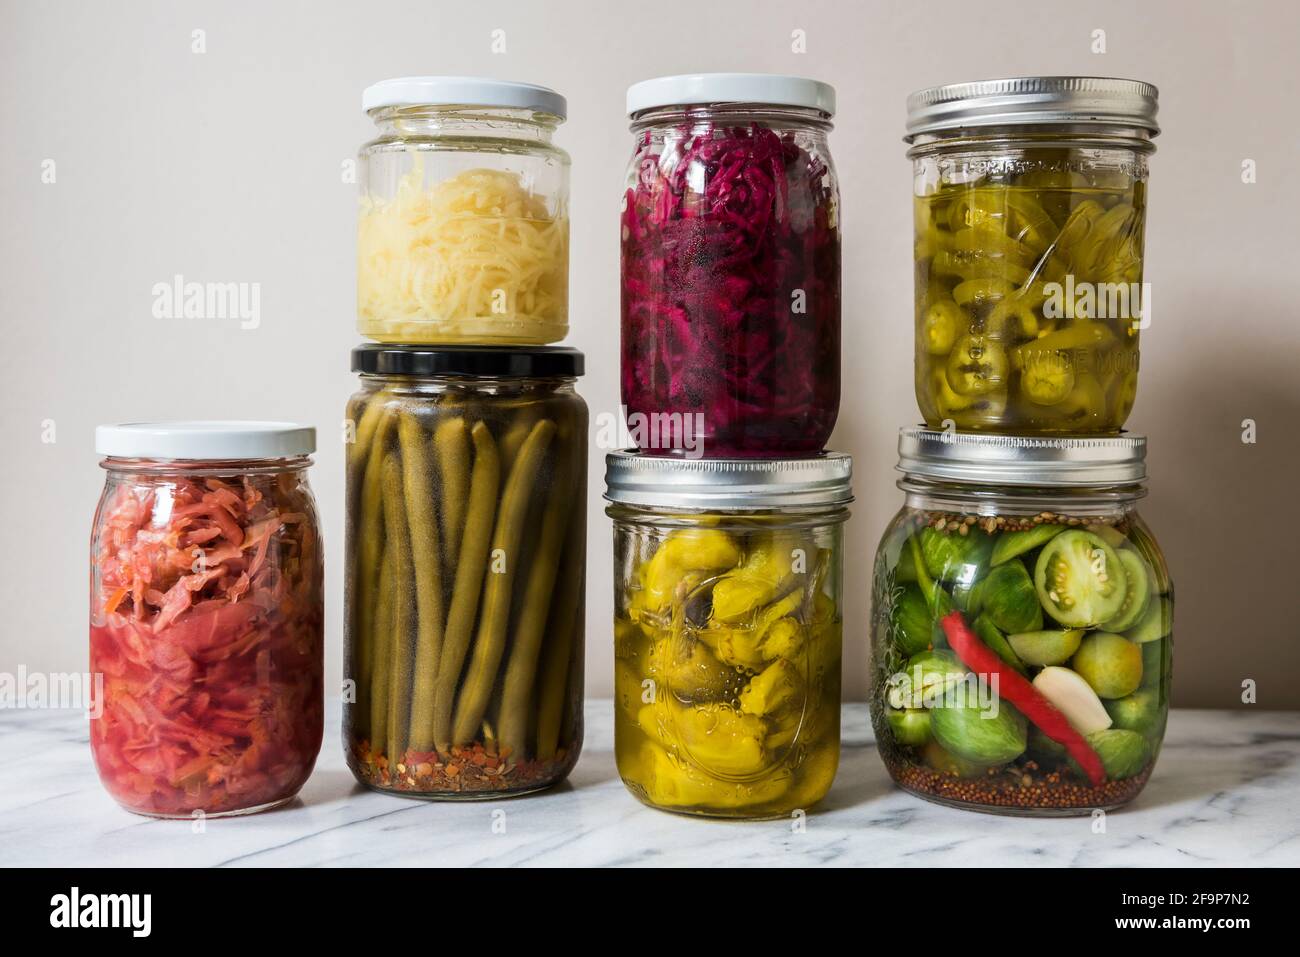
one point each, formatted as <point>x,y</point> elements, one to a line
<point>501,362</point>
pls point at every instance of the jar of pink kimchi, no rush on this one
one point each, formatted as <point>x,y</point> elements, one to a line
<point>206,617</point>
<point>731,266</point>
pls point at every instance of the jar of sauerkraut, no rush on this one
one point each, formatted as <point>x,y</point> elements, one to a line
<point>463,230</point>
<point>731,266</point>
<point>1030,201</point>
<point>206,617</point>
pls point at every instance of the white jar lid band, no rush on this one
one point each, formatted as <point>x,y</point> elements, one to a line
<point>463,91</point>
<point>205,441</point>
<point>704,88</point>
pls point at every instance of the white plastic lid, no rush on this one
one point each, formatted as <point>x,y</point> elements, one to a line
<point>205,440</point>
<point>700,88</point>
<point>463,91</point>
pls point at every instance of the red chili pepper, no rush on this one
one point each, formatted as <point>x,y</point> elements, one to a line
<point>983,660</point>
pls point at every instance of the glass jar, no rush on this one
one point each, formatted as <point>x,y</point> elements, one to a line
<point>731,266</point>
<point>466,540</point>
<point>463,230</point>
<point>206,617</point>
<point>727,630</point>
<point>1022,625</point>
<point>1030,214</point>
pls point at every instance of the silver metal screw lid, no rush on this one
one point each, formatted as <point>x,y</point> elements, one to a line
<point>1046,461</point>
<point>632,478</point>
<point>1086,100</point>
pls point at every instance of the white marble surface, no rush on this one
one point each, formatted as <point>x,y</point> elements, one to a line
<point>1224,792</point>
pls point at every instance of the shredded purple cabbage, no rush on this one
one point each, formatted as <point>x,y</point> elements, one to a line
<point>720,230</point>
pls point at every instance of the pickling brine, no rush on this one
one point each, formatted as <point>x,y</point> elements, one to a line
<point>1029,299</point>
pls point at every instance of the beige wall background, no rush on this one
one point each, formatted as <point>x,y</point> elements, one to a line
<point>225,165</point>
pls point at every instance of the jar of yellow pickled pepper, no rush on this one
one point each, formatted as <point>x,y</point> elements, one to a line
<point>463,227</point>
<point>1030,203</point>
<point>727,629</point>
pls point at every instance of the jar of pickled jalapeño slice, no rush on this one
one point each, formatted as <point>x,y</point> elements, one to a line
<point>727,630</point>
<point>1030,212</point>
<point>1022,624</point>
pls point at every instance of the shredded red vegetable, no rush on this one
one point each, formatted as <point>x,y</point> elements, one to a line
<point>731,289</point>
<point>207,626</point>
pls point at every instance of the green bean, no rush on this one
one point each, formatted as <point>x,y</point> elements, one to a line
<point>403,595</point>
<point>451,444</point>
<point>489,645</point>
<point>521,425</point>
<point>471,566</point>
<point>365,428</point>
<point>571,714</point>
<point>368,551</point>
<point>382,645</point>
<point>565,621</point>
<point>521,666</point>
<point>417,486</point>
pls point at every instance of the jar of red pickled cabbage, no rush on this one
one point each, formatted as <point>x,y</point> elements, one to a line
<point>731,266</point>
<point>206,617</point>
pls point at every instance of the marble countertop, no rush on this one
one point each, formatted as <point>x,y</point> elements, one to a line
<point>1223,793</point>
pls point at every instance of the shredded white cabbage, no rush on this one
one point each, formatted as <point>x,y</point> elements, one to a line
<point>473,258</point>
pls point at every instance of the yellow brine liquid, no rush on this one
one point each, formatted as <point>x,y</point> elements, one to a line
<point>1029,300</point>
<point>727,671</point>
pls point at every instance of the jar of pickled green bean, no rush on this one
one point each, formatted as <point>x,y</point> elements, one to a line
<point>1030,199</point>
<point>727,630</point>
<point>466,540</point>
<point>1022,624</point>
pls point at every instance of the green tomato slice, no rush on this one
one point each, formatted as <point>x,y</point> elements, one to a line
<point>1046,647</point>
<point>1080,580</point>
<point>1136,595</point>
<point>1156,623</point>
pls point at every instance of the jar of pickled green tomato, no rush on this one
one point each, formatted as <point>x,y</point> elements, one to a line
<point>466,551</point>
<point>727,627</point>
<point>1022,624</point>
<point>1030,213</point>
